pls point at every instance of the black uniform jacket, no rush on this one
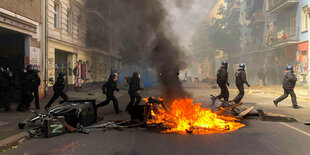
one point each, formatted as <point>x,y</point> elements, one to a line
<point>289,81</point>
<point>241,77</point>
<point>134,86</point>
<point>110,86</point>
<point>222,75</point>
<point>59,86</point>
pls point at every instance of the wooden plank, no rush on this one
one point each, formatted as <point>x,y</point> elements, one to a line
<point>245,112</point>
<point>228,108</point>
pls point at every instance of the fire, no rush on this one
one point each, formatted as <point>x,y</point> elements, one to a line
<point>186,117</point>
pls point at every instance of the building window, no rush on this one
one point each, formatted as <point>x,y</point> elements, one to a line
<point>80,26</point>
<point>56,15</point>
<point>304,19</point>
<point>69,21</point>
<point>292,30</point>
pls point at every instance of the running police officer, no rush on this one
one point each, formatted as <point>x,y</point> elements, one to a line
<point>134,87</point>
<point>58,88</point>
<point>240,81</point>
<point>288,83</point>
<point>108,88</point>
<point>222,81</point>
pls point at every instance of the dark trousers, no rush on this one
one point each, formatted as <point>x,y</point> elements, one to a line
<point>110,97</point>
<point>26,98</point>
<point>285,95</point>
<point>55,97</point>
<point>4,101</point>
<point>135,98</point>
<point>239,97</point>
<point>36,97</point>
<point>224,92</point>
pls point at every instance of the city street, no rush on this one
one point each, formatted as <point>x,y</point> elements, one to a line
<point>257,137</point>
<point>190,53</point>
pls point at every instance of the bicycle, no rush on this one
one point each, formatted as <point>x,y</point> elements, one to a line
<point>35,124</point>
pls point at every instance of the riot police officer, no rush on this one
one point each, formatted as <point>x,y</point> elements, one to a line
<point>26,87</point>
<point>11,85</point>
<point>8,87</point>
<point>3,94</point>
<point>37,82</point>
<point>58,89</point>
<point>108,88</point>
<point>240,81</point>
<point>222,81</point>
<point>288,83</point>
<point>134,87</point>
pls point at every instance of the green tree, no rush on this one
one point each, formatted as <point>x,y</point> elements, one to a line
<point>220,34</point>
<point>224,33</point>
<point>200,45</point>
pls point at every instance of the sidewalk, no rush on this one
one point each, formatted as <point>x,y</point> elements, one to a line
<point>10,134</point>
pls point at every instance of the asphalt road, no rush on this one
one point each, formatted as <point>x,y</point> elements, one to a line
<point>257,137</point>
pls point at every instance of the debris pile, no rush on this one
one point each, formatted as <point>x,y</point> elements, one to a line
<point>186,117</point>
<point>183,116</point>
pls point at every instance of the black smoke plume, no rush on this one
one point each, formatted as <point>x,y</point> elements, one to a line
<point>144,32</point>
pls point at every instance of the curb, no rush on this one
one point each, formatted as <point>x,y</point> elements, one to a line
<point>12,141</point>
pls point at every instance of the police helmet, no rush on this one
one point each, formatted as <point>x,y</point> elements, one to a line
<point>112,76</point>
<point>289,68</point>
<point>225,63</point>
<point>242,65</point>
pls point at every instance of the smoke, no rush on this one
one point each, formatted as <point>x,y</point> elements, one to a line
<point>168,59</point>
<point>187,16</point>
<point>145,34</point>
<point>184,4</point>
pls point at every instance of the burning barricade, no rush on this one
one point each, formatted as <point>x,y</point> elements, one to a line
<point>183,116</point>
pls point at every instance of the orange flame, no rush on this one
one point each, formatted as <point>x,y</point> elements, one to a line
<point>186,117</point>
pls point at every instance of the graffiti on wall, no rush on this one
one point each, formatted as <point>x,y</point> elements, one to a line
<point>83,71</point>
<point>77,79</point>
<point>51,67</point>
<point>51,63</point>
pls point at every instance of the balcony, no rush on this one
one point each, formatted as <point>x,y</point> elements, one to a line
<point>257,18</point>
<point>275,6</point>
<point>280,39</point>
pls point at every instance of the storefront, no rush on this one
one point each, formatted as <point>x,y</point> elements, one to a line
<point>20,44</point>
<point>302,63</point>
<point>61,59</point>
<point>61,65</point>
<point>12,51</point>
